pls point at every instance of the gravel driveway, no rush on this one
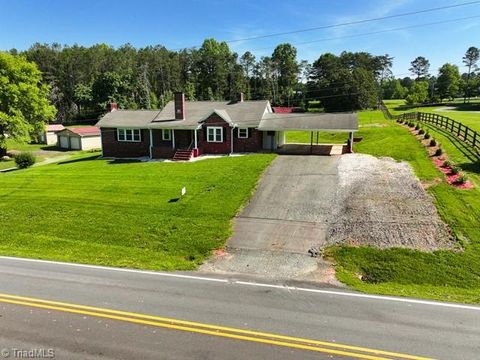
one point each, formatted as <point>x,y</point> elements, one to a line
<point>314,201</point>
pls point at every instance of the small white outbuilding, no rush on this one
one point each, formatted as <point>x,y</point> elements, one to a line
<point>83,138</point>
<point>49,135</point>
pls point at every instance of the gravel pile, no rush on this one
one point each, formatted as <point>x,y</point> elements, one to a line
<point>380,202</point>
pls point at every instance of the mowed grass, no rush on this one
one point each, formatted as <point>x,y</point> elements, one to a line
<point>125,214</point>
<point>304,137</point>
<point>15,145</point>
<point>7,164</point>
<point>467,114</point>
<point>441,275</point>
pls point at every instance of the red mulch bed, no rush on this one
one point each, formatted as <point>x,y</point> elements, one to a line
<point>452,179</point>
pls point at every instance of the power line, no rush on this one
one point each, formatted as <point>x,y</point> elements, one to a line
<point>379,32</point>
<point>348,23</point>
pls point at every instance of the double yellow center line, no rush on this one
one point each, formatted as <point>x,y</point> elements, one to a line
<point>208,329</point>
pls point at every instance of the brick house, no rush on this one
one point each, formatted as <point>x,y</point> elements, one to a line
<point>185,129</point>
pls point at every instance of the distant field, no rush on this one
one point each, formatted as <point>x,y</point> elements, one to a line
<point>468,114</point>
<point>124,213</point>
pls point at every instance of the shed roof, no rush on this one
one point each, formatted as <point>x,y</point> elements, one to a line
<point>314,122</point>
<point>54,127</point>
<point>83,131</point>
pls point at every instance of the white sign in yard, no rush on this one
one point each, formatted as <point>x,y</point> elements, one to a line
<point>184,191</point>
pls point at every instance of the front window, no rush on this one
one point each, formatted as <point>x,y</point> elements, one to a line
<point>166,134</point>
<point>243,133</point>
<point>215,134</point>
<point>129,135</point>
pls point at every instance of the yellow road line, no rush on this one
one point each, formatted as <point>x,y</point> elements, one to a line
<point>228,332</point>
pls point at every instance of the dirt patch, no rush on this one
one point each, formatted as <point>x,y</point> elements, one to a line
<point>381,203</point>
<point>272,265</point>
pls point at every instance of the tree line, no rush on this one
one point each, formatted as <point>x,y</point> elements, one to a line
<point>448,84</point>
<point>82,80</point>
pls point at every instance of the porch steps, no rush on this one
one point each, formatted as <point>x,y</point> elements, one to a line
<point>336,150</point>
<point>183,155</point>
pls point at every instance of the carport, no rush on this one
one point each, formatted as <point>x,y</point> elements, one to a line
<point>314,123</point>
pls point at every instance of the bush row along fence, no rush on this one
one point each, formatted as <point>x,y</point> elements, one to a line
<point>457,129</point>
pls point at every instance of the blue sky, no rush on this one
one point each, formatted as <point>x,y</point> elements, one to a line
<point>177,24</point>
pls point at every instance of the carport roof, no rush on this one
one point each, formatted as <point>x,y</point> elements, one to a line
<point>314,122</point>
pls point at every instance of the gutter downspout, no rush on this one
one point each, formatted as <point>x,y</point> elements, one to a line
<point>231,138</point>
<point>151,143</point>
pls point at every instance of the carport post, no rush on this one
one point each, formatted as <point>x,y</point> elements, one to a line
<point>173,139</point>
<point>311,142</point>
<point>350,142</point>
<point>317,137</point>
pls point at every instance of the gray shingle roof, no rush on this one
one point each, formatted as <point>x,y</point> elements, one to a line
<point>242,114</point>
<point>309,121</point>
<point>127,118</point>
<point>247,113</point>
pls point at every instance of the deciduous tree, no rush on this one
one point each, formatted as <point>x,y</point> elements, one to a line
<point>448,81</point>
<point>24,106</point>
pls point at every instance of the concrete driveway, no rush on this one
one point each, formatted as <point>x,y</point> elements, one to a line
<point>289,209</point>
<point>286,216</point>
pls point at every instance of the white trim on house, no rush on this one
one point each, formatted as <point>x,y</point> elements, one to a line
<point>129,135</point>
<point>166,134</point>
<point>244,136</point>
<point>215,133</point>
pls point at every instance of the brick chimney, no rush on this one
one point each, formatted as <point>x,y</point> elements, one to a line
<point>112,107</point>
<point>241,97</point>
<point>179,106</point>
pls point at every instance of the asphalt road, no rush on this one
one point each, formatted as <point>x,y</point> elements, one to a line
<point>255,314</point>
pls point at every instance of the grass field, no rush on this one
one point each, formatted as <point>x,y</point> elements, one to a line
<point>7,164</point>
<point>323,137</point>
<point>124,213</point>
<point>14,145</point>
<point>467,114</point>
<point>442,275</point>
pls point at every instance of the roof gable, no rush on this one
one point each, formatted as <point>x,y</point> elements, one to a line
<point>221,113</point>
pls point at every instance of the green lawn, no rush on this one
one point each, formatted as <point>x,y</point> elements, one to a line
<point>467,114</point>
<point>323,137</point>
<point>442,275</point>
<point>14,145</point>
<point>7,164</point>
<point>124,213</point>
